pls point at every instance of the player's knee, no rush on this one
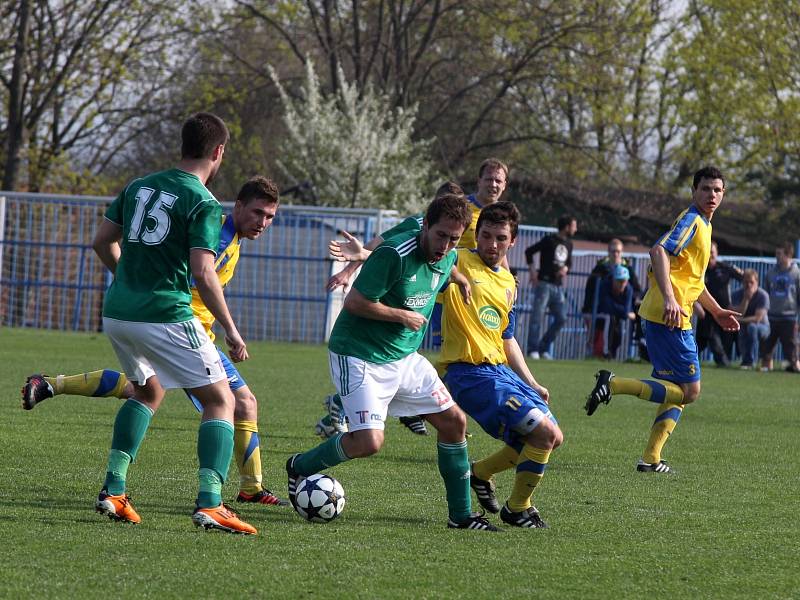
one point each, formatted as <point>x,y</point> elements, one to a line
<point>691,392</point>
<point>364,443</point>
<point>246,407</point>
<point>127,391</point>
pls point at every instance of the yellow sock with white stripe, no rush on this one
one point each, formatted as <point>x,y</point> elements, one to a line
<point>102,383</point>
<point>247,452</point>
<point>667,418</point>
<point>502,460</point>
<point>530,470</point>
<point>657,391</point>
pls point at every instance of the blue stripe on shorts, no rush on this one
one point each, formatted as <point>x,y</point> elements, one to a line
<point>235,379</point>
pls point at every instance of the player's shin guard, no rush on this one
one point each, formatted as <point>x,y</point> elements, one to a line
<point>530,470</point>
<point>648,389</point>
<point>247,452</point>
<point>104,383</point>
<point>500,461</point>
<point>214,451</point>
<point>328,454</point>
<point>130,427</point>
<point>666,419</point>
<point>454,469</point>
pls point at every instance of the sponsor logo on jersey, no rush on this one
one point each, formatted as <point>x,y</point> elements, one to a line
<point>489,316</point>
<point>418,300</point>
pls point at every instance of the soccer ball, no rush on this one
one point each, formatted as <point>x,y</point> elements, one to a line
<point>319,498</point>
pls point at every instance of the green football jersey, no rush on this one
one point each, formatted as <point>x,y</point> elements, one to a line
<point>163,216</point>
<point>396,274</point>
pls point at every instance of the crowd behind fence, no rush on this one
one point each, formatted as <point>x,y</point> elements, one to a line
<point>50,278</point>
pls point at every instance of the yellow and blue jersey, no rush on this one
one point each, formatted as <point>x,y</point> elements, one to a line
<point>688,244</point>
<point>468,237</point>
<point>225,264</point>
<point>474,333</point>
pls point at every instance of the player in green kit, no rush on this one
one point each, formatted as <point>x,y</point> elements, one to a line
<point>374,361</point>
<point>158,234</point>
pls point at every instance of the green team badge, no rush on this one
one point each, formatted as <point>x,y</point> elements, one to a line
<point>489,316</point>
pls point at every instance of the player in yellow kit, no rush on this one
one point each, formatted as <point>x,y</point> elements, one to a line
<point>676,280</point>
<point>486,373</point>
<point>253,212</point>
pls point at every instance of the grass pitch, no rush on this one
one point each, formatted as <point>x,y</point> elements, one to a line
<point>724,526</point>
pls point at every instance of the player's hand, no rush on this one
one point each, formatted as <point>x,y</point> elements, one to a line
<point>236,345</point>
<point>543,392</point>
<point>533,278</point>
<point>728,319</point>
<point>341,279</point>
<point>673,313</point>
<point>348,249</point>
<point>413,320</point>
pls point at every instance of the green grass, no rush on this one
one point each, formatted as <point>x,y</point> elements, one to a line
<point>724,526</point>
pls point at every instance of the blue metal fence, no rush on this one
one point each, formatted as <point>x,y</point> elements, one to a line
<point>51,278</point>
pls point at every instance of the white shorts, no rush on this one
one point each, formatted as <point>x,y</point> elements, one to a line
<point>180,354</point>
<point>369,391</point>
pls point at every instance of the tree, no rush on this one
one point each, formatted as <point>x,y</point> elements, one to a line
<point>353,147</point>
<point>84,78</point>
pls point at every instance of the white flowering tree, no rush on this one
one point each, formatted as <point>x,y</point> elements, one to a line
<point>355,150</point>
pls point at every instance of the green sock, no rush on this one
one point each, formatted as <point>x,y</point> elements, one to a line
<point>117,472</point>
<point>454,468</point>
<point>328,454</point>
<point>214,452</point>
<point>130,426</point>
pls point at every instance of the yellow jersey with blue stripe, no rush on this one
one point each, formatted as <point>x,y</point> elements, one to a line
<point>468,237</point>
<point>473,333</point>
<point>225,264</point>
<point>688,244</point>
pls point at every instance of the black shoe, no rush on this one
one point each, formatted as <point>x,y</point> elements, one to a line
<point>294,479</point>
<point>528,518</point>
<point>263,496</point>
<point>484,490</point>
<point>659,467</point>
<point>474,521</point>
<point>601,391</point>
<point>415,424</point>
<point>35,390</point>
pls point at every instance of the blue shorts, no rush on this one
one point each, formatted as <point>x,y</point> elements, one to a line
<point>673,353</point>
<point>505,407</point>
<point>235,380</point>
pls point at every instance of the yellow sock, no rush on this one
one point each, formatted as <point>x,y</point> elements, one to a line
<point>648,389</point>
<point>103,383</point>
<point>530,470</point>
<point>503,459</point>
<point>666,419</point>
<point>248,456</point>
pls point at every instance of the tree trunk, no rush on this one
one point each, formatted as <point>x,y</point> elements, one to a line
<point>16,124</point>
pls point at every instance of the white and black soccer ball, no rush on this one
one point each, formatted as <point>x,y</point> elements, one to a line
<point>319,498</point>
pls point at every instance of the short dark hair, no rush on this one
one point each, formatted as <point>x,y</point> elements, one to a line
<point>451,206</point>
<point>493,163</point>
<point>258,187</point>
<point>787,248</point>
<point>498,214</point>
<point>564,220</point>
<point>201,134</point>
<point>708,172</point>
<point>449,187</point>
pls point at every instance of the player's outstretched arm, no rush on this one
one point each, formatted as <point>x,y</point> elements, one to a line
<point>106,244</point>
<point>350,248</point>
<point>210,290</point>
<point>516,360</point>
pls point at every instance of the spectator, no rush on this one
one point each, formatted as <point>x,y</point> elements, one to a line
<point>602,269</point>
<point>708,333</point>
<point>548,285</point>
<point>615,303</point>
<point>783,286</point>
<point>753,303</point>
